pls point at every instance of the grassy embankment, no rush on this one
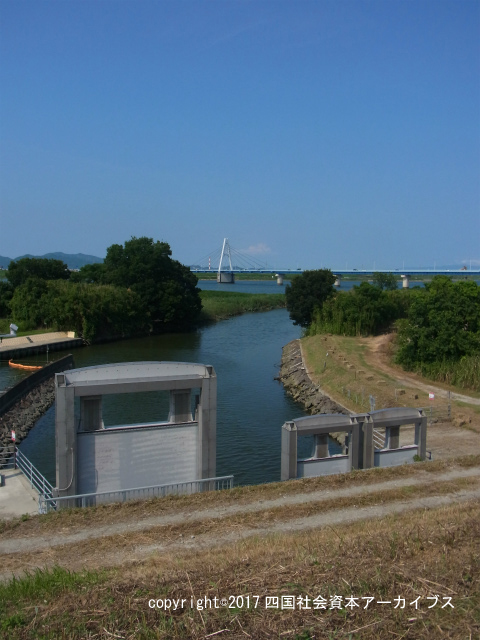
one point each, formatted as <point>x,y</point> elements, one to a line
<point>350,374</point>
<point>218,305</point>
<point>5,328</point>
<point>423,553</point>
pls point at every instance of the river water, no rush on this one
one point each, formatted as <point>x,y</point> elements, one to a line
<point>245,352</point>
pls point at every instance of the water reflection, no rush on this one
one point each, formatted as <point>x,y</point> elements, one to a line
<point>245,352</point>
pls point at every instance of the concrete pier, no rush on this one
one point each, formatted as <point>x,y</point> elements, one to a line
<point>405,281</point>
<point>226,277</point>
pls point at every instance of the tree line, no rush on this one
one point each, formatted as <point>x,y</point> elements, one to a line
<point>437,326</point>
<point>137,290</point>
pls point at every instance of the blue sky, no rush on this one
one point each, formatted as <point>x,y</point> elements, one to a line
<point>311,134</point>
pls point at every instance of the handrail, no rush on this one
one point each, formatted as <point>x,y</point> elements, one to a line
<point>12,458</point>
<point>37,480</point>
<point>137,493</point>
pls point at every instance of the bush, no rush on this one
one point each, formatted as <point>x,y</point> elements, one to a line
<point>93,311</point>
<point>308,292</point>
<point>365,310</point>
<point>440,337</point>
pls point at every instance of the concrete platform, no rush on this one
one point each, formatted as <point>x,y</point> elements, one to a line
<point>37,343</point>
<point>17,496</point>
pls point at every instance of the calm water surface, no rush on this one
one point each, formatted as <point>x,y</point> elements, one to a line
<point>245,352</point>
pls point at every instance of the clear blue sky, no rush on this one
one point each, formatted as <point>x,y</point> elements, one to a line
<point>309,133</point>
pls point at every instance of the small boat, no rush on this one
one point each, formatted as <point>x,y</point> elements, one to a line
<point>25,367</point>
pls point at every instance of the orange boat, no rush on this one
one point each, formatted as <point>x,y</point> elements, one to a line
<point>26,367</point>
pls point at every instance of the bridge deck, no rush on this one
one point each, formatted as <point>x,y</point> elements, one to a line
<point>356,272</point>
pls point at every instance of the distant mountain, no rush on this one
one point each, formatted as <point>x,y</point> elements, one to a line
<point>72,260</point>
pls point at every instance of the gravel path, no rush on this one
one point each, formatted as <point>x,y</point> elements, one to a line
<point>22,544</point>
<point>63,548</point>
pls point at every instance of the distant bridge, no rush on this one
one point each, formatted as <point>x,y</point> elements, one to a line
<point>349,272</point>
<point>226,271</point>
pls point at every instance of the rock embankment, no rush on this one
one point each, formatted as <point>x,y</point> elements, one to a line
<point>298,384</point>
<point>26,411</point>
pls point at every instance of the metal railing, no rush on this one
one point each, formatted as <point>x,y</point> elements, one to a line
<point>437,414</point>
<point>7,457</point>
<point>36,479</point>
<point>12,458</point>
<point>140,493</point>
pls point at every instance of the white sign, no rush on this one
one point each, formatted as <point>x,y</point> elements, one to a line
<point>431,396</point>
<point>13,436</point>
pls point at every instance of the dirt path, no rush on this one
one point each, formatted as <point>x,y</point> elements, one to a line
<point>130,535</point>
<point>378,356</point>
<point>133,539</point>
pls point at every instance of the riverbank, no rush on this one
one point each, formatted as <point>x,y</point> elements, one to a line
<point>356,373</point>
<point>25,413</point>
<point>298,384</point>
<point>35,343</point>
<point>220,305</point>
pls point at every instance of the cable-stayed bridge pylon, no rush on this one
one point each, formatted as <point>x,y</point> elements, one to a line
<point>227,261</point>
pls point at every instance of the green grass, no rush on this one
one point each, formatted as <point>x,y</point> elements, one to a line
<point>43,583</point>
<point>411,555</point>
<point>39,586</point>
<point>218,305</point>
<point>5,328</point>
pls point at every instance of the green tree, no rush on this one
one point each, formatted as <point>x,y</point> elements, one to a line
<point>385,281</point>
<point>308,292</point>
<point>20,271</point>
<point>6,293</point>
<point>443,324</point>
<point>365,310</point>
<point>89,273</point>
<point>166,289</point>
<point>93,311</point>
<point>27,303</point>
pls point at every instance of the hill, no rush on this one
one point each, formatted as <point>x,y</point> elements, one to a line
<point>72,260</point>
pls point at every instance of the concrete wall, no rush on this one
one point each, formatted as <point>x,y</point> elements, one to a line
<point>92,459</point>
<point>10,397</point>
<point>38,343</point>
<point>140,456</point>
<point>395,457</point>
<point>322,467</point>
<point>361,448</point>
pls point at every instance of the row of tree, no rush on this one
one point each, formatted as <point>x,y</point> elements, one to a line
<point>138,289</point>
<point>438,325</point>
<point>310,292</point>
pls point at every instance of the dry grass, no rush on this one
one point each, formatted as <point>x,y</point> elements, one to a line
<point>110,549</point>
<point>67,521</point>
<point>418,554</point>
<point>352,374</point>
